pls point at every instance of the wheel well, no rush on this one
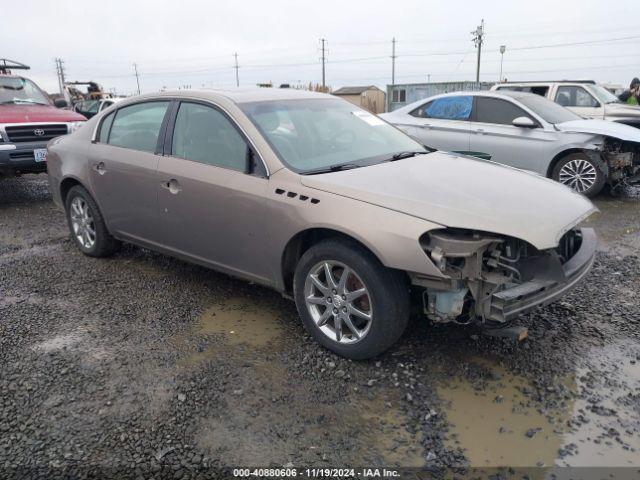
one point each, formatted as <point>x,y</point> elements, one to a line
<point>66,185</point>
<point>300,243</point>
<point>560,156</point>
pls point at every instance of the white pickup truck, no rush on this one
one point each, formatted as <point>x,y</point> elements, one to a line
<point>584,97</point>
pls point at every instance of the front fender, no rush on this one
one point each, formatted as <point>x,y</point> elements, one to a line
<point>393,237</point>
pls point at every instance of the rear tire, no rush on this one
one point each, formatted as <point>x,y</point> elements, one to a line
<point>334,310</point>
<point>86,224</point>
<point>581,173</point>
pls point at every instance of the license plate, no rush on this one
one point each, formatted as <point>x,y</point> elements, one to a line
<point>40,154</point>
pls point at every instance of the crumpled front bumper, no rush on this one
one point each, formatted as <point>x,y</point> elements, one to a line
<point>512,302</point>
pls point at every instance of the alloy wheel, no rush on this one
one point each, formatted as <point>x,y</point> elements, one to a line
<point>578,174</point>
<point>82,223</point>
<point>338,301</point>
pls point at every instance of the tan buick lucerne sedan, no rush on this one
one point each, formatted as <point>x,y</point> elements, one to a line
<point>324,202</point>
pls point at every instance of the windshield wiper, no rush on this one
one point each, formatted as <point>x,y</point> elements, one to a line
<point>402,155</point>
<point>333,168</point>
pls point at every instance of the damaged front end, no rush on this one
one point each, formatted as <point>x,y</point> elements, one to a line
<point>622,160</point>
<point>493,278</point>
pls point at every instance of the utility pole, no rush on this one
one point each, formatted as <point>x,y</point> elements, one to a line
<point>135,67</point>
<point>503,48</point>
<point>478,38</point>
<point>235,55</point>
<point>393,61</point>
<point>60,73</point>
<point>324,60</point>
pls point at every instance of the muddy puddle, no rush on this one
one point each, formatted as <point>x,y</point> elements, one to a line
<point>384,430</point>
<point>616,231</point>
<point>496,425</point>
<point>233,322</point>
<point>596,422</point>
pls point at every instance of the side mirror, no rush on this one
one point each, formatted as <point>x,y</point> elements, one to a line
<point>60,103</point>
<point>524,122</point>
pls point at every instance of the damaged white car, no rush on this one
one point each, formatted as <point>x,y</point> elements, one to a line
<point>529,132</point>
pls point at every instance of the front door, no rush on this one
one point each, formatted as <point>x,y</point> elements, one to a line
<point>211,203</point>
<point>494,137</point>
<point>123,164</point>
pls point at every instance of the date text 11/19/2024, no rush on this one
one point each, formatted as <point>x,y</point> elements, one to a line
<point>316,472</point>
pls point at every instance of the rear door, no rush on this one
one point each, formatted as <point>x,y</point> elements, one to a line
<point>123,163</point>
<point>493,136</point>
<point>579,100</point>
<point>443,123</point>
<point>211,191</point>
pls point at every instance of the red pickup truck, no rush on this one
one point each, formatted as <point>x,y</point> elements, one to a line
<point>28,120</point>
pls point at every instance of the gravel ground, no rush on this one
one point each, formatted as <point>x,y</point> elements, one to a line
<point>147,367</point>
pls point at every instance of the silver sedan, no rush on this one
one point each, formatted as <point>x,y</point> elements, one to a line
<point>529,132</point>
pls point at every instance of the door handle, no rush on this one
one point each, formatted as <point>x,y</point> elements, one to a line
<point>480,131</point>
<point>427,126</point>
<point>100,168</point>
<point>172,185</point>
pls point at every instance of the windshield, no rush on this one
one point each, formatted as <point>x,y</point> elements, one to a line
<point>20,91</point>
<point>549,111</point>
<point>314,134</point>
<point>603,95</point>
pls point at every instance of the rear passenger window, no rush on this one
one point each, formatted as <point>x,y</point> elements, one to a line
<point>203,134</point>
<point>105,126</point>
<point>137,127</point>
<point>446,108</point>
<point>495,110</point>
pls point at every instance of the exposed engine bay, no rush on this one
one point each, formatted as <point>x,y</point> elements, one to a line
<point>623,161</point>
<point>488,274</point>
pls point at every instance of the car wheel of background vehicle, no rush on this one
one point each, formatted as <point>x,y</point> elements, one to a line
<point>580,173</point>
<point>87,226</point>
<point>348,301</point>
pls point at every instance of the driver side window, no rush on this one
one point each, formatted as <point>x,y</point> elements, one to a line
<point>497,111</point>
<point>572,96</point>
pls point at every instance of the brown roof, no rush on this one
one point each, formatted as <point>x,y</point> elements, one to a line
<point>353,90</point>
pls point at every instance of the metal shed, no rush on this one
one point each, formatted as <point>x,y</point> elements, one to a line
<point>400,95</point>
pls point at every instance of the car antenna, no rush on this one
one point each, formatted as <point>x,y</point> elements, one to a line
<point>7,65</point>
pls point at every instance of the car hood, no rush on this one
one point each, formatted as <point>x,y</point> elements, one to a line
<point>621,110</point>
<point>37,113</point>
<point>457,191</point>
<point>601,127</point>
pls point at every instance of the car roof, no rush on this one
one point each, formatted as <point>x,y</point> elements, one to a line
<point>485,93</point>
<point>238,95</point>
<point>538,82</point>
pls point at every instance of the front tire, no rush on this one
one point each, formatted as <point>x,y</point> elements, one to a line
<point>580,173</point>
<point>87,227</point>
<point>348,301</point>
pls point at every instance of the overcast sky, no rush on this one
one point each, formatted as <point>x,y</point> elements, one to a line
<point>192,42</point>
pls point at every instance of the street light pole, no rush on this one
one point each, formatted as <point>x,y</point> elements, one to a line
<point>503,48</point>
